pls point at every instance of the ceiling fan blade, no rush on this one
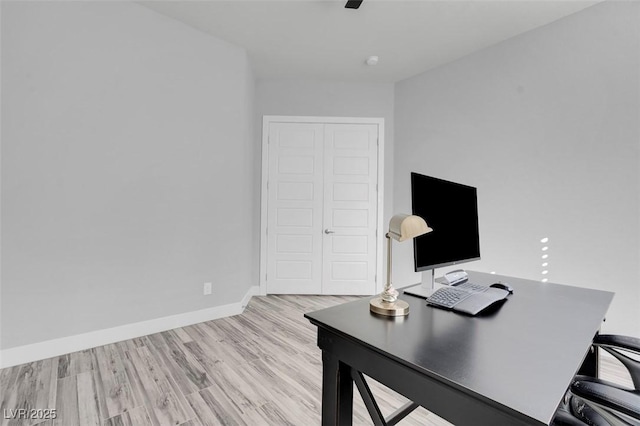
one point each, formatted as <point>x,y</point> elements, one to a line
<point>353,4</point>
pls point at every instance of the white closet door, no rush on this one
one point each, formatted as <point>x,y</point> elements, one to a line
<point>350,208</point>
<point>294,228</point>
<point>321,207</point>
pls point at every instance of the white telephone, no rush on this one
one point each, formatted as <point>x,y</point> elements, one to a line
<point>455,277</point>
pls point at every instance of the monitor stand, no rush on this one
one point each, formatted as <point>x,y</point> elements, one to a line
<point>426,287</point>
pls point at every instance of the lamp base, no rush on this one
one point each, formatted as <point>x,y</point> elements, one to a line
<point>391,309</point>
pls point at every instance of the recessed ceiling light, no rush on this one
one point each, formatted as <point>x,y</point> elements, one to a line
<point>372,60</point>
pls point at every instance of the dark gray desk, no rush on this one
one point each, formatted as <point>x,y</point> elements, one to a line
<point>508,367</point>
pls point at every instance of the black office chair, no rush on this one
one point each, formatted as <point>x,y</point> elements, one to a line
<point>597,402</point>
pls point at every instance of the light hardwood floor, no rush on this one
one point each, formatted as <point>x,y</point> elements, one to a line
<point>258,368</point>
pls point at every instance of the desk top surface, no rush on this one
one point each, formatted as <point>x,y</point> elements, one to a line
<point>522,355</point>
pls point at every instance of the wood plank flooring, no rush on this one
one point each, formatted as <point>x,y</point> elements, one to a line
<point>258,368</point>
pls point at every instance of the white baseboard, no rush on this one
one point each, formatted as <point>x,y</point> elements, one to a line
<point>79,342</point>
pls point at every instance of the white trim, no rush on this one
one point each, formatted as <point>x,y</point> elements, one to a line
<point>266,121</point>
<point>380,230</point>
<point>328,120</point>
<point>264,197</point>
<point>79,342</point>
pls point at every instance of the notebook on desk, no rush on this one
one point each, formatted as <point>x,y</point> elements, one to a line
<point>468,298</point>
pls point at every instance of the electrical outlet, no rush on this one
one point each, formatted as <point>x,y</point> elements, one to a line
<point>207,289</point>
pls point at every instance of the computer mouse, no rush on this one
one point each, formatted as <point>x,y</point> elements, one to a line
<point>503,286</point>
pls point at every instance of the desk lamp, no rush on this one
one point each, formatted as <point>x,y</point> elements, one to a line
<point>402,227</point>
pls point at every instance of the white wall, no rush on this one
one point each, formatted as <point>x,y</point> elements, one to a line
<point>545,125</point>
<point>332,99</point>
<point>127,169</point>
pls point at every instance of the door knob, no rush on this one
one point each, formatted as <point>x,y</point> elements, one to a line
<point>329,231</point>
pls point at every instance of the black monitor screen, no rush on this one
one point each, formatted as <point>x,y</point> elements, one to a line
<point>451,210</point>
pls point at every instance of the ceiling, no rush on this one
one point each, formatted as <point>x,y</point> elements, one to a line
<point>323,40</point>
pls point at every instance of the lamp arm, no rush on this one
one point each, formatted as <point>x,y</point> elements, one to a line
<point>388,284</point>
<point>389,294</point>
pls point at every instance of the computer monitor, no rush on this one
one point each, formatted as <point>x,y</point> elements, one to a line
<point>451,209</point>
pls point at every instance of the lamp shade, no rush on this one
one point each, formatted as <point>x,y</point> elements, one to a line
<point>404,227</point>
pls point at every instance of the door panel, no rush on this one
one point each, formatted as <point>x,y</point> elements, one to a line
<point>350,208</point>
<point>294,224</point>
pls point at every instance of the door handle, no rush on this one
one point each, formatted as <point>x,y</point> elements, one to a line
<point>329,231</point>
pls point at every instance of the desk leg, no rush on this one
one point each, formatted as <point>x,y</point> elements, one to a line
<point>590,364</point>
<point>337,392</point>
